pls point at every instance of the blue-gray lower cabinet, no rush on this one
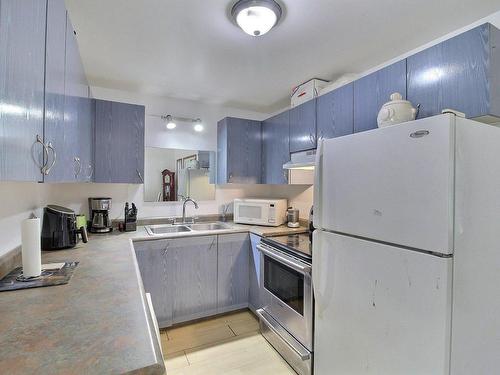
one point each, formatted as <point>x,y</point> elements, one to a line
<point>335,113</point>
<point>155,260</point>
<point>373,90</point>
<point>254,301</point>
<point>239,149</point>
<point>303,126</point>
<point>118,142</point>
<point>275,148</point>
<point>22,56</point>
<point>232,271</point>
<point>461,73</point>
<point>194,277</point>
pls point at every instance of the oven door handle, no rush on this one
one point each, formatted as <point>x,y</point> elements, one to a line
<point>305,270</point>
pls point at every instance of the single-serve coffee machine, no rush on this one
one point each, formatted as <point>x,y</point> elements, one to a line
<point>99,215</point>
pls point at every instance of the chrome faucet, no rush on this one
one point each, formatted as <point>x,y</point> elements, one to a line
<point>225,208</point>
<point>184,208</point>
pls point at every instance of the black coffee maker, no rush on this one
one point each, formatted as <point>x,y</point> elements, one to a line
<point>59,229</point>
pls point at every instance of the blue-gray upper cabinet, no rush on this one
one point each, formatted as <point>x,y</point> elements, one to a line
<point>239,149</point>
<point>373,90</point>
<point>335,112</point>
<point>118,142</point>
<point>78,112</point>
<point>461,73</point>
<point>61,137</point>
<point>303,126</point>
<point>68,110</point>
<point>85,163</point>
<point>22,56</point>
<point>275,148</point>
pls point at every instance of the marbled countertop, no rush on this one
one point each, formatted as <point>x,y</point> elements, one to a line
<point>96,324</point>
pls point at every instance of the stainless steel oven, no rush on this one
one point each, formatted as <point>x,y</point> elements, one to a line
<point>287,299</point>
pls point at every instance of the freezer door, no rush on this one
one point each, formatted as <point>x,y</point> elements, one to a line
<point>379,309</point>
<point>393,184</point>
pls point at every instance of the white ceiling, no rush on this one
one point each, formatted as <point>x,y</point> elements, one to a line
<point>189,49</point>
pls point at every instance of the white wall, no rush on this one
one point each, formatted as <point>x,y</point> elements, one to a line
<point>18,200</point>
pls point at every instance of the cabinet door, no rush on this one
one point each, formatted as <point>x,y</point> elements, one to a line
<point>275,148</point>
<point>119,142</point>
<point>232,275</point>
<point>303,127</point>
<point>86,139</point>
<point>194,283</point>
<point>254,276</point>
<point>155,264</point>
<point>334,112</point>
<point>239,149</point>
<point>57,131</point>
<point>22,56</point>
<point>452,74</point>
<point>373,90</point>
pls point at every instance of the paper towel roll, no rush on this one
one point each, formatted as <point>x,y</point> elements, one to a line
<point>31,247</point>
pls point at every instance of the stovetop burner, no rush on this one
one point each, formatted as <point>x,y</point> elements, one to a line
<point>299,244</point>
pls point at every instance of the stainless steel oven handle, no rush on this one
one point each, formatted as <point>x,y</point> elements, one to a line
<point>280,258</point>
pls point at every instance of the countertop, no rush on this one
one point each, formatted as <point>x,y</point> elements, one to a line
<point>97,323</point>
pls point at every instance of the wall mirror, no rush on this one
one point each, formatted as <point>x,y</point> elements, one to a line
<point>171,174</point>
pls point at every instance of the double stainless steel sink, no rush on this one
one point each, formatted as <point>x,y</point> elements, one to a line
<point>156,230</point>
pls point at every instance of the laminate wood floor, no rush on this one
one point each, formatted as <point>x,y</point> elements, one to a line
<point>229,344</point>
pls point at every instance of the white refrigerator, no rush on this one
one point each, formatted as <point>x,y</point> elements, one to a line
<point>406,255</point>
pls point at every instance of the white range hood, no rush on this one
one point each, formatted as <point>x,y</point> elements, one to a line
<point>301,160</point>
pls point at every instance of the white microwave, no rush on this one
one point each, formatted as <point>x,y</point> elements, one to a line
<point>269,212</point>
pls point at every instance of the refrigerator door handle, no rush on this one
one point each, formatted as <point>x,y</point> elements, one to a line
<point>318,180</point>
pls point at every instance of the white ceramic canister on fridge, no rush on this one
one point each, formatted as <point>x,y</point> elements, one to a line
<point>396,111</point>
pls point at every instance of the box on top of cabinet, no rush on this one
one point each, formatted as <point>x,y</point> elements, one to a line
<point>307,91</point>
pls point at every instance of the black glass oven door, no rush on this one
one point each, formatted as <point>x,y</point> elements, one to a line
<point>285,283</point>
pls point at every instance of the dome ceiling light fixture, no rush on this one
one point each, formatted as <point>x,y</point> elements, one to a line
<point>256,17</point>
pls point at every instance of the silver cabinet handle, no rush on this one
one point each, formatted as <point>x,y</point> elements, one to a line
<point>90,173</point>
<point>54,158</point>
<point>45,152</point>
<point>140,176</point>
<point>76,159</point>
<point>285,175</point>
